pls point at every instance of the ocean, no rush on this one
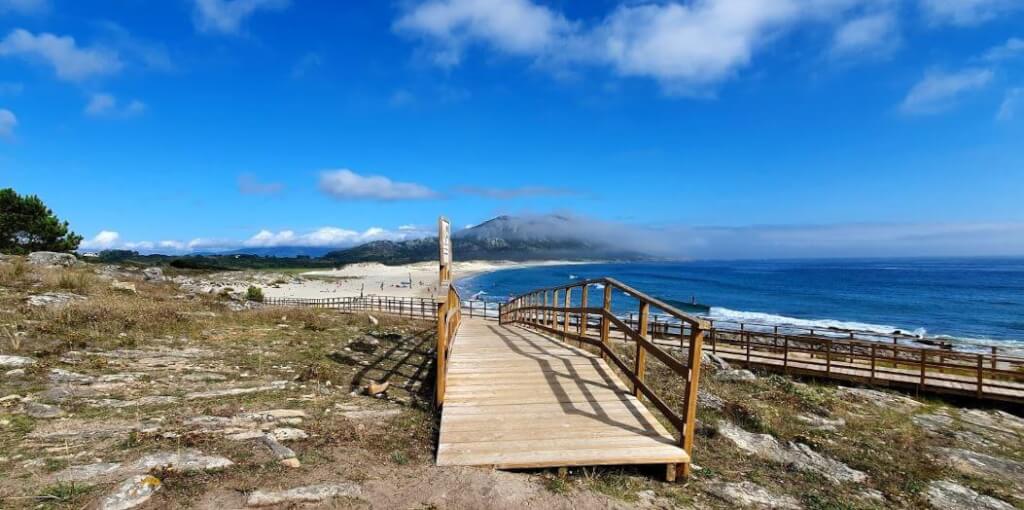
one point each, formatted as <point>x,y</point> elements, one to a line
<point>965,300</point>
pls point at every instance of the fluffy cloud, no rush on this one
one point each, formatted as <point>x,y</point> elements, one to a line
<point>103,104</point>
<point>344,184</point>
<point>24,6</point>
<point>687,47</point>
<point>327,237</point>
<point>1014,47</point>
<point>8,121</point>
<point>939,91</point>
<point>249,185</point>
<point>71,62</point>
<point>226,16</point>
<point>106,239</point>
<point>876,33</point>
<point>967,12</point>
<point>1012,103</point>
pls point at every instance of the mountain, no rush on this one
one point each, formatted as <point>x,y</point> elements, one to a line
<point>549,237</point>
<point>281,251</point>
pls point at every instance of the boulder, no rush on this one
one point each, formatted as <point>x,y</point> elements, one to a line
<point>153,274</point>
<point>798,455</point>
<point>751,495</point>
<point>132,493</point>
<point>735,375</point>
<point>53,299</point>
<point>714,361</point>
<point>948,495</point>
<point>51,258</point>
<point>7,361</point>
<point>984,466</point>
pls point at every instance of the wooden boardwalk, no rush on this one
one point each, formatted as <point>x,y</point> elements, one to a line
<point>518,399</point>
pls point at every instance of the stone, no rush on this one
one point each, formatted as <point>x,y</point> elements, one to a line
<point>361,414</point>
<point>88,472</point>
<point>291,463</point>
<point>735,375</point>
<point>58,375</point>
<point>307,494</point>
<point>984,466</point>
<point>203,377</point>
<point>152,400</point>
<point>7,361</point>
<point>799,455</point>
<point>821,423</point>
<point>878,398</point>
<point>376,388</point>
<point>53,299</point>
<point>185,461</point>
<point>14,374</point>
<point>751,495</point>
<point>51,258</point>
<point>132,493</point>
<point>153,274</point>
<point>983,429</point>
<point>714,361</point>
<point>373,320</point>
<point>42,411</point>
<point>948,495</point>
<point>56,395</point>
<point>288,434</point>
<point>279,450</point>
<point>229,392</point>
<point>127,287</point>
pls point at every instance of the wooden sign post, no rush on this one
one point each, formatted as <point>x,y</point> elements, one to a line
<point>444,242</point>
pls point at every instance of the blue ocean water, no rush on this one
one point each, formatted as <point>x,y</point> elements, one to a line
<point>971,299</point>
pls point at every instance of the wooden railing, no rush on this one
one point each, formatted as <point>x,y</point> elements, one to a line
<point>566,312</point>
<point>419,308</point>
<point>449,317</point>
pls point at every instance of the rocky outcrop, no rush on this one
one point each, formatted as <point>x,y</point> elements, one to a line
<point>735,375</point>
<point>7,361</point>
<point>878,398</point>
<point>133,492</point>
<point>153,274</point>
<point>798,455</point>
<point>751,495</point>
<point>53,299</point>
<point>947,495</point>
<point>51,258</point>
<point>984,466</point>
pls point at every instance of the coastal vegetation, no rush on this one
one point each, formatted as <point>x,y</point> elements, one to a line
<point>27,225</point>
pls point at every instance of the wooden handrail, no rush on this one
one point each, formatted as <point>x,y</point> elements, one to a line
<point>542,309</point>
<point>449,317</point>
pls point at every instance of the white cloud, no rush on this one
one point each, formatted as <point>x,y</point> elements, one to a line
<point>1012,103</point>
<point>8,121</point>
<point>227,16</point>
<point>875,34</point>
<point>105,240</point>
<point>519,27</point>
<point>1013,47</point>
<point>687,47</point>
<point>939,91</point>
<point>325,237</point>
<point>103,104</point>
<point>71,62</point>
<point>24,6</point>
<point>347,185</point>
<point>967,12</point>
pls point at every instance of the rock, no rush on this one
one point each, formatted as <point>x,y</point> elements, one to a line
<point>58,375</point>
<point>88,472</point>
<point>984,466</point>
<point>708,400</point>
<point>373,320</point>
<point>42,411</point>
<point>127,287</point>
<point>983,429</point>
<point>798,455</point>
<point>14,374</point>
<point>53,299</point>
<point>228,392</point>
<point>185,461</point>
<point>821,423</point>
<point>279,450</point>
<point>9,400</point>
<point>203,377</point>
<point>751,495</point>
<point>153,274</point>
<point>363,414</point>
<point>375,388</point>
<point>15,361</point>
<point>152,400</point>
<point>714,361</point>
<point>51,258</point>
<point>308,494</point>
<point>870,497</point>
<point>56,395</point>
<point>948,495</point>
<point>878,398</point>
<point>735,375</point>
<point>289,434</point>
<point>132,493</point>
<point>291,463</point>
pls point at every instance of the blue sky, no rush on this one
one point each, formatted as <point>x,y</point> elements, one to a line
<point>813,124</point>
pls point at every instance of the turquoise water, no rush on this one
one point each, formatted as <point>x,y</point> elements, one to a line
<point>971,299</point>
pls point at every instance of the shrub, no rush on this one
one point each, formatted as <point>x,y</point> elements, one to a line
<point>254,294</point>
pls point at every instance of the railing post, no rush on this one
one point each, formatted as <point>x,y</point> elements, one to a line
<point>828,356</point>
<point>923,357</point>
<point>584,317</point>
<point>640,367</point>
<point>606,324</point>
<point>568,303</point>
<point>554,314</point>
<point>873,363</point>
<point>981,376</point>
<point>442,348</point>
<point>692,382</point>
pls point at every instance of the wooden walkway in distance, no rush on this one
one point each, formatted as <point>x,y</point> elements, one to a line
<point>518,399</point>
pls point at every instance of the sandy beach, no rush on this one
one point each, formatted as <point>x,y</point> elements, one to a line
<point>369,279</point>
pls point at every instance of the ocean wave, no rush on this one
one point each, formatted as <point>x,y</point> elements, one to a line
<point>724,314</point>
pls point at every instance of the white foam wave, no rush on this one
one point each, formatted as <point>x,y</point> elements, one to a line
<point>724,314</point>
